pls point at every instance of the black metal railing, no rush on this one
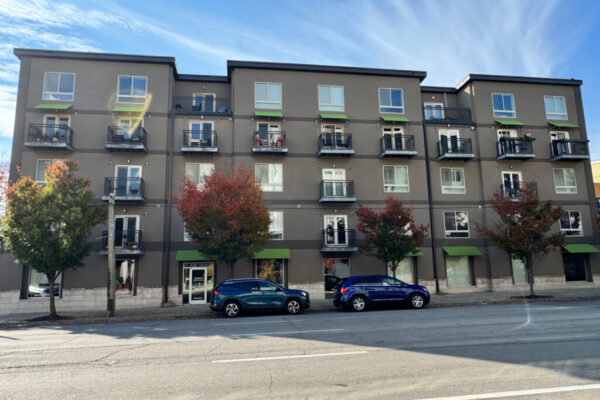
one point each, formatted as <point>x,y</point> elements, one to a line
<point>332,238</point>
<point>199,138</point>
<point>397,142</point>
<point>269,140</point>
<point>336,189</point>
<point>202,104</point>
<point>335,141</point>
<point>124,187</point>
<point>569,147</point>
<point>129,239</point>
<point>451,146</point>
<point>50,133</point>
<point>515,190</point>
<point>127,136</point>
<point>447,114</point>
<point>514,146</point>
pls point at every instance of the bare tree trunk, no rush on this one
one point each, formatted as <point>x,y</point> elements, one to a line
<point>51,278</point>
<point>529,269</point>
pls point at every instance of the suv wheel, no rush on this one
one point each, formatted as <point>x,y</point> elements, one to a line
<point>417,300</point>
<point>358,303</point>
<point>231,309</point>
<point>292,306</point>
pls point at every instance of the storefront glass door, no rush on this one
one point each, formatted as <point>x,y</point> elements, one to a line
<point>197,282</point>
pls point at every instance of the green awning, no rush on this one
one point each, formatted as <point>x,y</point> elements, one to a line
<point>563,124</point>
<point>415,253</point>
<point>273,114</point>
<point>137,109</point>
<point>334,116</point>
<point>46,106</point>
<point>389,118</point>
<point>512,122</point>
<point>275,254</point>
<point>581,248</point>
<point>191,255</point>
<point>462,251</point>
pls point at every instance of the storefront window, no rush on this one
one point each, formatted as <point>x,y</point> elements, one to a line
<point>519,272</point>
<point>39,286</point>
<point>458,271</point>
<point>404,271</point>
<point>270,270</point>
<point>125,272</point>
<point>334,270</point>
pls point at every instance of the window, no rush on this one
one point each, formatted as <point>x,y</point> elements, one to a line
<point>395,179</point>
<point>267,95</point>
<point>456,224</point>
<point>267,286</point>
<point>39,286</point>
<point>434,111</point>
<point>187,237</point>
<point>570,223</point>
<point>125,274</point>
<point>331,98</point>
<point>204,102</point>
<point>506,133</point>
<point>504,105</point>
<point>270,270</point>
<point>404,271</point>
<point>276,226</point>
<point>391,101</point>
<point>270,177</point>
<point>335,269</point>
<point>556,107</point>
<point>453,180</point>
<point>458,271</point>
<point>564,181</point>
<point>128,180</point>
<point>59,86</point>
<point>42,166</point>
<point>518,271</point>
<point>575,266</point>
<point>132,89</point>
<point>197,172</point>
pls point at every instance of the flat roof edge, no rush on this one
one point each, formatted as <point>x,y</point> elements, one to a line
<point>80,55</point>
<point>439,89</point>
<point>202,78</point>
<point>518,79</point>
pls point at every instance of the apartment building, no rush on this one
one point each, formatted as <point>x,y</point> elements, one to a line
<point>321,140</point>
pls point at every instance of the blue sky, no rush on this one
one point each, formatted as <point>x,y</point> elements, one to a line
<point>448,39</point>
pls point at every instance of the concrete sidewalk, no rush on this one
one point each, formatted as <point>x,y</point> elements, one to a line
<point>203,310</point>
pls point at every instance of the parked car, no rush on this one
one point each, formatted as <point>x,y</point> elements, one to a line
<point>236,295</point>
<point>359,292</point>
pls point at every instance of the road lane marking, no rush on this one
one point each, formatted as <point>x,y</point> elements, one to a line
<point>513,393</point>
<point>286,333</point>
<point>261,322</point>
<point>347,353</point>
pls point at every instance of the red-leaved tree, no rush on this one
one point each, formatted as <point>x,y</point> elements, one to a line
<point>522,228</point>
<point>226,217</point>
<point>391,234</point>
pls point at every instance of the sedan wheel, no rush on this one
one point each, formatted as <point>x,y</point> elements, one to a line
<point>293,306</point>
<point>417,301</point>
<point>358,303</point>
<point>232,309</point>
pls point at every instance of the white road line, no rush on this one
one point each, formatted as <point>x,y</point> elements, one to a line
<point>347,353</point>
<point>518,393</point>
<point>286,333</point>
<point>261,322</point>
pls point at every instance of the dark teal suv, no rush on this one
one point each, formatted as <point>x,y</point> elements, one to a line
<point>236,295</point>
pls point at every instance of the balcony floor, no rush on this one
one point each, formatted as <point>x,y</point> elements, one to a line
<point>340,199</point>
<point>515,156</point>
<point>274,150</point>
<point>187,149</point>
<point>335,152</point>
<point>126,147</point>
<point>398,153</point>
<point>455,156</point>
<point>123,252</point>
<point>570,157</point>
<point>338,249</point>
<point>49,145</point>
<point>127,199</point>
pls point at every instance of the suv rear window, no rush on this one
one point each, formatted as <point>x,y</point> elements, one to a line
<point>367,280</point>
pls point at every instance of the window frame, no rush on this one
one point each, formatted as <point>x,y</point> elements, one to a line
<point>203,95</point>
<point>401,108</point>
<point>394,184</point>
<point>566,188</point>
<point>268,102</point>
<point>331,105</point>
<point>570,231</point>
<point>49,161</point>
<point>432,105</point>
<point>566,113</point>
<point>281,270</point>
<point>271,223</point>
<point>145,97</point>
<point>200,182</point>
<point>448,232</point>
<point>514,111</point>
<point>274,187</point>
<point>452,169</point>
<point>58,92</point>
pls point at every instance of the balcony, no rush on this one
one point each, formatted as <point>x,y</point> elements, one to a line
<point>201,105</point>
<point>338,241</point>
<point>567,149</point>
<point>50,136</point>
<point>455,149</point>
<point>516,190</point>
<point>515,149</point>
<point>125,139</point>
<point>199,141</point>
<point>337,192</point>
<point>447,115</point>
<point>125,189</point>
<point>397,145</point>
<point>335,144</point>
<point>269,142</point>
<point>127,243</point>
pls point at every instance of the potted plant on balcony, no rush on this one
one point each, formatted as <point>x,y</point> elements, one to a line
<point>280,141</point>
<point>528,137</point>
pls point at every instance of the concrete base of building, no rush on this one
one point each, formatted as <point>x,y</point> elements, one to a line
<point>506,284</point>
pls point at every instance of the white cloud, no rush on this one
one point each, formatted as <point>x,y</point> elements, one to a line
<point>8,98</point>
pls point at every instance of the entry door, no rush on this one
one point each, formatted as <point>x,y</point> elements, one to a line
<point>574,267</point>
<point>505,137</point>
<point>393,137</point>
<point>449,141</point>
<point>55,125</point>
<point>200,134</point>
<point>268,133</point>
<point>204,102</point>
<point>197,283</point>
<point>126,231</point>
<point>512,183</point>
<point>335,230</point>
<point>558,144</point>
<point>127,179</point>
<point>332,134</point>
<point>334,182</point>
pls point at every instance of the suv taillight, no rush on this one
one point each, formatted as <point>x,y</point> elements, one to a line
<point>215,292</point>
<point>344,290</point>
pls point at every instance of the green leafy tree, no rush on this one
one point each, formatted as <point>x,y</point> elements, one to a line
<point>390,235</point>
<point>46,227</point>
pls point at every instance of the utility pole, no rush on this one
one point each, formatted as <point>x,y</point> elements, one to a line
<point>112,281</point>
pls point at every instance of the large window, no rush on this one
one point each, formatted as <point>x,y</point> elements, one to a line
<point>197,172</point>
<point>458,271</point>
<point>59,86</point>
<point>270,270</point>
<point>132,89</point>
<point>453,180</point>
<point>276,226</point>
<point>395,179</point>
<point>518,271</point>
<point>434,111</point>
<point>404,271</point>
<point>270,177</point>
<point>125,273</point>
<point>331,98</point>
<point>456,224</point>
<point>570,223</point>
<point>391,101</point>
<point>564,181</point>
<point>267,95</point>
<point>504,105</point>
<point>556,107</point>
<point>334,270</point>
<point>39,286</point>
<point>42,166</point>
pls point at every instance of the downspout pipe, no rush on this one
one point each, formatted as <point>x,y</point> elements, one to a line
<point>167,210</point>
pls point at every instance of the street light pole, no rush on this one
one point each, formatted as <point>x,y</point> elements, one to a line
<point>112,281</point>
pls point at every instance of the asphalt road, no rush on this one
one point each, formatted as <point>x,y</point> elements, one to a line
<point>536,351</point>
